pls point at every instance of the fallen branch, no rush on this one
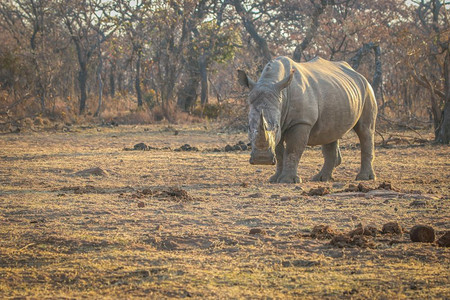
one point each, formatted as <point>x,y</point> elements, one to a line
<point>392,122</point>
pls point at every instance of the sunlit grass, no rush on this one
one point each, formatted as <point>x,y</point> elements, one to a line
<point>63,235</point>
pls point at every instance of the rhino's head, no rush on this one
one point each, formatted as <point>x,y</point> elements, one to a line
<point>265,102</point>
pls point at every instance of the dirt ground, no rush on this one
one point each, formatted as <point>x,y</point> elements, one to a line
<point>206,224</point>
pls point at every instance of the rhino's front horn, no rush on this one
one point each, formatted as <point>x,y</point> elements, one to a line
<point>262,136</point>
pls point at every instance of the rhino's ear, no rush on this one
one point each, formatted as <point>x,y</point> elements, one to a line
<point>284,83</point>
<point>244,80</point>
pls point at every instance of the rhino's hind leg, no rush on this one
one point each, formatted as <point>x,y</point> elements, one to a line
<point>332,157</point>
<point>366,138</point>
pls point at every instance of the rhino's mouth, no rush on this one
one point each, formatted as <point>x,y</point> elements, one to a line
<point>264,157</point>
<point>263,145</point>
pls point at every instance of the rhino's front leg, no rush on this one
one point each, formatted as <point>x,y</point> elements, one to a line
<point>296,139</point>
<point>279,152</point>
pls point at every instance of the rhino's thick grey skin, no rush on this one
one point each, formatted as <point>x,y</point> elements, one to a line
<point>293,105</point>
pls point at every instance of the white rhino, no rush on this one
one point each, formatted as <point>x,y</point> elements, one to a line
<point>314,103</point>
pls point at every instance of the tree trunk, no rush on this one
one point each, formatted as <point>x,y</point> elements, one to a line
<point>356,59</point>
<point>204,80</point>
<point>82,79</point>
<point>443,133</point>
<point>436,112</point>
<point>137,82</point>
<point>41,94</point>
<point>188,94</point>
<point>168,89</point>
<point>120,81</point>
<point>39,85</point>
<point>100,83</point>
<point>112,83</point>
<point>377,77</point>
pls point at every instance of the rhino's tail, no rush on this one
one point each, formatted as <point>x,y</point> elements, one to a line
<point>339,157</point>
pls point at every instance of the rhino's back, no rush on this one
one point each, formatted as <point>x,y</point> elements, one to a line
<point>327,95</point>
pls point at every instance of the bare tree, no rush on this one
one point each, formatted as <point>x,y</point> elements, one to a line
<point>355,61</point>
<point>318,9</point>
<point>28,20</point>
<point>253,31</point>
<point>194,66</point>
<point>137,24</point>
<point>99,80</point>
<point>86,22</point>
<point>209,41</point>
<point>176,48</point>
<point>435,23</point>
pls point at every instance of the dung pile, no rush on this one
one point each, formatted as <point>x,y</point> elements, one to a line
<point>141,147</point>
<point>444,241</point>
<point>362,237</point>
<point>239,146</point>
<point>166,194</point>
<point>392,228</point>
<point>422,234</point>
<point>322,232</point>
<point>97,171</point>
<point>368,230</point>
<point>319,191</point>
<point>347,241</point>
<point>186,147</point>
<point>176,194</point>
<point>367,236</point>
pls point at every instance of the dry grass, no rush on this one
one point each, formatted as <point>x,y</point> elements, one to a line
<point>127,234</point>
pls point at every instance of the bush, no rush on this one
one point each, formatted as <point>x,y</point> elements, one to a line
<point>150,98</point>
<point>210,111</point>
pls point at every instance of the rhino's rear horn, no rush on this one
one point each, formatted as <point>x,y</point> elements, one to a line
<point>244,80</point>
<point>283,83</point>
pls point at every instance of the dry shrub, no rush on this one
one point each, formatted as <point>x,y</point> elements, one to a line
<point>138,116</point>
<point>124,110</point>
<point>173,114</point>
<point>144,115</point>
<point>121,109</point>
<point>44,122</point>
<point>38,121</point>
<point>181,117</point>
<point>64,111</point>
<point>117,106</point>
<point>209,110</point>
<point>158,113</point>
<point>234,115</point>
<point>19,107</point>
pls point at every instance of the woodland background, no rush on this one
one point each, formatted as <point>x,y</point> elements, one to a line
<point>138,62</point>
